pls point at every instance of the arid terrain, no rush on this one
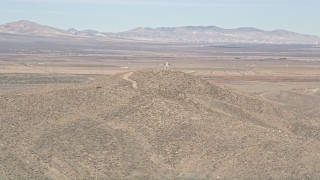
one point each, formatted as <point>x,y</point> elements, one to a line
<point>153,124</point>
<point>79,108</point>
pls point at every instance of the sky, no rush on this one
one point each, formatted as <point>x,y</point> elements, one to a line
<point>300,16</point>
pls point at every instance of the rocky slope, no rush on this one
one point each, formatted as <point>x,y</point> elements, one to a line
<point>152,125</point>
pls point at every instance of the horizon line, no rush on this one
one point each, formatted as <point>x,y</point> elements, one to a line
<point>145,27</point>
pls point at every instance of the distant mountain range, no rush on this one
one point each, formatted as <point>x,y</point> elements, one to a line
<point>188,34</point>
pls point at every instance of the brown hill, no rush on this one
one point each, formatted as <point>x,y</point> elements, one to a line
<point>152,125</point>
<point>24,27</point>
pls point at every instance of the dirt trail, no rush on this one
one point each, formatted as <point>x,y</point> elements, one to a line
<point>262,96</point>
<point>127,78</point>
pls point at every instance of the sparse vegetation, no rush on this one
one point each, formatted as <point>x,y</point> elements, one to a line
<point>74,112</point>
<point>171,125</point>
<point>41,79</point>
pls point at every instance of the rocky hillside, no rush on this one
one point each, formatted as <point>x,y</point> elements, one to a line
<point>152,125</point>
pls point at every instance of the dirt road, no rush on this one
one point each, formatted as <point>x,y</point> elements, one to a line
<point>127,78</point>
<point>263,97</point>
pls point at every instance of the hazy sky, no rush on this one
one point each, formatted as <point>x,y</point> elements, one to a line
<point>118,15</point>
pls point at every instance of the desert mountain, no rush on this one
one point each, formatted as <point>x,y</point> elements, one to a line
<point>212,34</point>
<point>152,124</point>
<point>30,28</point>
<point>188,34</point>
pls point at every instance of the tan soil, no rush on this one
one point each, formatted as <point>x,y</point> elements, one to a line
<point>152,124</point>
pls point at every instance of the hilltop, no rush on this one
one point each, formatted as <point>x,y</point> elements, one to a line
<point>152,124</point>
<point>25,27</point>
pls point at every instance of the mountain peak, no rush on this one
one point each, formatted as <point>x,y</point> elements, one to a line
<point>72,31</point>
<point>25,27</point>
<point>24,22</point>
<point>249,29</point>
<point>21,23</point>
